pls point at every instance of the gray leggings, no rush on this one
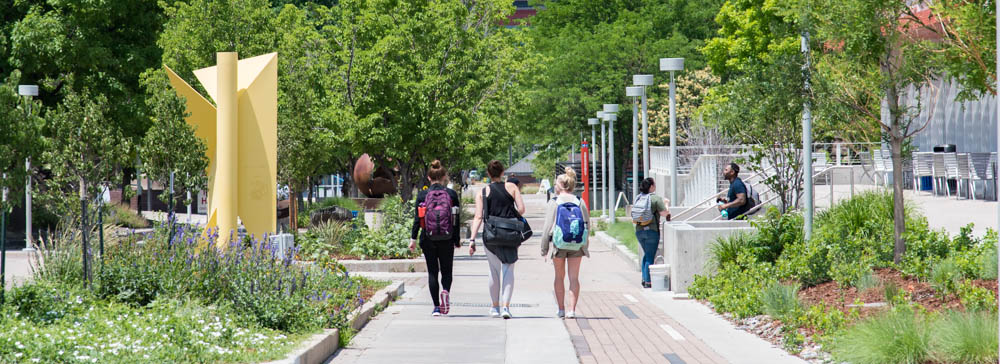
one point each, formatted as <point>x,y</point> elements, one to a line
<point>498,270</point>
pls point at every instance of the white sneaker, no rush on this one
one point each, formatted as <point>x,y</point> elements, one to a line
<point>494,312</point>
<point>571,315</point>
<point>505,313</point>
<point>560,314</point>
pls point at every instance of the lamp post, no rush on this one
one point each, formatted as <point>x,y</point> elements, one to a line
<point>610,111</point>
<point>642,81</point>
<point>807,215</point>
<point>634,92</point>
<point>672,65</point>
<point>997,78</point>
<point>593,122</point>
<point>604,166</point>
<point>27,91</point>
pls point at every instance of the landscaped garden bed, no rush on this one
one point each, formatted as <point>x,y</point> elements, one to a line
<point>179,300</point>
<point>840,297</point>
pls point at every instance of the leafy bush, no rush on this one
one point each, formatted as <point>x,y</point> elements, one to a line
<point>392,238</point>
<point>726,249</point>
<point>945,277</point>
<point>975,298</point>
<point>775,231</point>
<point>823,319</point>
<point>966,337</point>
<point>988,264</point>
<point>781,300</point>
<point>736,287</point>
<point>45,301</point>
<point>897,336</point>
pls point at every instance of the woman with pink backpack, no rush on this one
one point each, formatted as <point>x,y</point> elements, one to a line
<point>437,221</point>
<point>566,227</point>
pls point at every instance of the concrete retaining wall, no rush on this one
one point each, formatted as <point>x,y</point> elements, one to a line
<point>686,247</point>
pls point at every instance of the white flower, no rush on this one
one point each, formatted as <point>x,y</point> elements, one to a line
<point>35,360</point>
<point>18,355</point>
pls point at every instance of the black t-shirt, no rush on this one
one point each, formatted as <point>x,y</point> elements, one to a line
<point>737,187</point>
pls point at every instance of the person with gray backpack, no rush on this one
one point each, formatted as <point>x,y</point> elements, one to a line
<point>647,212</point>
<point>437,221</point>
<point>566,227</point>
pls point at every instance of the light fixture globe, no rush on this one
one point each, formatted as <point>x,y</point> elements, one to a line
<point>27,90</point>
<point>633,91</point>
<point>642,80</point>
<point>671,64</point>
<point>610,108</point>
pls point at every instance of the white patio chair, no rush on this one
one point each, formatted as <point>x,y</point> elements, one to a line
<point>887,160</point>
<point>820,163</point>
<point>964,176</point>
<point>979,171</point>
<point>940,173</point>
<point>923,166</point>
<point>879,163</point>
<point>951,171</point>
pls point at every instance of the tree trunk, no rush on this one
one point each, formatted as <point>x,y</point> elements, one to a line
<point>309,182</point>
<point>405,182</point>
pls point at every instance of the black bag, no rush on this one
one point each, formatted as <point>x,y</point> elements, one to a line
<point>504,231</point>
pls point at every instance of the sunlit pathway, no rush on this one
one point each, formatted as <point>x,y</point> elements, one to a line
<point>617,322</point>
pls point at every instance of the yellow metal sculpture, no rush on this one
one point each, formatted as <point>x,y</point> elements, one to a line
<point>241,132</point>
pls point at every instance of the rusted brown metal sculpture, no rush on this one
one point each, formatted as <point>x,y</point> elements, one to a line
<point>373,182</point>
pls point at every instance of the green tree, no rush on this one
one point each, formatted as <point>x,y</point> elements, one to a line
<point>590,50</point>
<point>83,152</point>
<point>170,145</point>
<point>875,54</point>
<point>417,81</point>
<point>968,50</point>
<point>20,135</point>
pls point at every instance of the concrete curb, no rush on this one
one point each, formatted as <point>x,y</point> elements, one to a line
<point>318,348</point>
<point>388,265</point>
<point>380,298</point>
<point>314,350</point>
<point>620,250</point>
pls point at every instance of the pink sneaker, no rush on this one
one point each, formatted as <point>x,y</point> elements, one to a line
<point>445,304</point>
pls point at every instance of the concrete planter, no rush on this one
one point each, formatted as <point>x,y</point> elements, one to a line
<point>322,346</point>
<point>389,265</point>
<point>686,247</point>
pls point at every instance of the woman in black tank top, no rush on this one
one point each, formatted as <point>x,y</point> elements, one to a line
<point>502,200</point>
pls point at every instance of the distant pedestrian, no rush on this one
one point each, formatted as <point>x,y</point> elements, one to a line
<point>737,201</point>
<point>566,226</point>
<point>501,200</point>
<point>437,221</point>
<point>646,213</point>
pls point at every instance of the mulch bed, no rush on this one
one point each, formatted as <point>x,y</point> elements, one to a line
<point>835,296</point>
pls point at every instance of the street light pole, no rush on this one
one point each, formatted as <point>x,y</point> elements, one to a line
<point>609,114</point>
<point>27,91</point>
<point>807,215</point>
<point>996,78</point>
<point>672,65</point>
<point>643,81</point>
<point>604,167</point>
<point>634,92</point>
<point>593,122</point>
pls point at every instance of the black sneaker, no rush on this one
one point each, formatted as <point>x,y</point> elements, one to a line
<point>647,285</point>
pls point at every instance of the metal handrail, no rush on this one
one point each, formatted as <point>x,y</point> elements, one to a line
<point>826,171</point>
<point>689,209</point>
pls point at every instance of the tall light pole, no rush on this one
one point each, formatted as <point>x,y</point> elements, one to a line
<point>593,122</point>
<point>27,91</point>
<point>604,166</point>
<point>997,79</point>
<point>642,81</point>
<point>673,65</point>
<point>634,92</point>
<point>807,215</point>
<point>610,111</point>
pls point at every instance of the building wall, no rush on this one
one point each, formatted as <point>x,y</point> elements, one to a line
<point>971,126</point>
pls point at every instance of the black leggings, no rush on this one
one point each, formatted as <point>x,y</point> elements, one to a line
<point>439,257</point>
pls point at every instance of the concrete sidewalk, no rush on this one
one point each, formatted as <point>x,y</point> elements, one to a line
<point>618,322</point>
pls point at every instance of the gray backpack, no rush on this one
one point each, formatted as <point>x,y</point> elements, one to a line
<point>642,210</point>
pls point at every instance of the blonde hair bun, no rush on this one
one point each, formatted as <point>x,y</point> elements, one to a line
<point>567,180</point>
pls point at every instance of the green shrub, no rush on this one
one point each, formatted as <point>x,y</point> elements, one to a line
<point>806,263</point>
<point>866,282</point>
<point>966,337</point>
<point>122,215</point>
<point>726,249</point>
<point>892,294</point>
<point>736,287</point>
<point>988,263</point>
<point>896,337</point>
<point>823,319</point>
<point>781,301</point>
<point>325,240</point>
<point>975,298</point>
<point>945,277</point>
<point>43,301</point>
<point>774,232</point>
<point>392,238</point>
